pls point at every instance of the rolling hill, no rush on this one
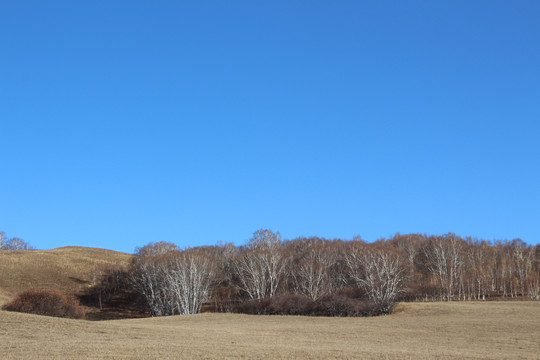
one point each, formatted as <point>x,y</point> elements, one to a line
<point>68,269</point>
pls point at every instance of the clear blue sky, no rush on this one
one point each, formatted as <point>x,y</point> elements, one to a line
<point>125,122</point>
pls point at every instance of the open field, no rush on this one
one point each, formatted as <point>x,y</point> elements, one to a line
<point>489,330</point>
<point>68,269</point>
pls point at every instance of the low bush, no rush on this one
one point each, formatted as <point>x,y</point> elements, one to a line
<point>47,302</point>
<point>291,304</point>
<point>287,304</point>
<point>294,304</point>
<point>338,305</point>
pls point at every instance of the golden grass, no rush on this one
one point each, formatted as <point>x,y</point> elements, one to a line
<point>68,269</point>
<point>489,330</point>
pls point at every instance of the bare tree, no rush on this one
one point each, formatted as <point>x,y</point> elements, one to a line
<point>479,262</point>
<point>444,259</point>
<point>522,257</point>
<point>148,278</point>
<point>534,279</point>
<point>409,243</point>
<point>261,265</point>
<point>13,243</point>
<point>379,272</point>
<point>225,292</point>
<point>155,248</point>
<point>173,281</point>
<point>310,268</point>
<point>312,278</point>
<point>190,275</point>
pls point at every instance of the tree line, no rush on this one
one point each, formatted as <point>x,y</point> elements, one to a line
<point>317,276</point>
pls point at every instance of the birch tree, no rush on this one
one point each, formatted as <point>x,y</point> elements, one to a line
<point>189,277</point>
<point>310,269</point>
<point>444,259</point>
<point>378,272</point>
<point>261,265</point>
<point>147,278</point>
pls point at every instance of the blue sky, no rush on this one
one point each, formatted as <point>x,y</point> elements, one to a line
<point>125,122</point>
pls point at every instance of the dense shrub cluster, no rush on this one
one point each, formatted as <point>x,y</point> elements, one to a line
<point>287,304</point>
<point>294,304</point>
<point>47,302</point>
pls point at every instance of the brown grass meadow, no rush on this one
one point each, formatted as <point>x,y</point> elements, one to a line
<point>459,330</point>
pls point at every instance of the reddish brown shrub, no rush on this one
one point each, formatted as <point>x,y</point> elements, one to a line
<point>287,304</point>
<point>338,305</point>
<point>294,304</point>
<point>47,302</point>
<point>291,304</point>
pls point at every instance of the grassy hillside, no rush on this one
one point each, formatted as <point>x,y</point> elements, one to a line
<point>68,269</point>
<point>488,330</point>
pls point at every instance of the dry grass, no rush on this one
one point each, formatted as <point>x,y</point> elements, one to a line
<point>491,330</point>
<point>4,297</point>
<point>67,269</point>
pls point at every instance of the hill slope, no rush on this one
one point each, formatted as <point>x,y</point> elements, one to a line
<point>69,269</point>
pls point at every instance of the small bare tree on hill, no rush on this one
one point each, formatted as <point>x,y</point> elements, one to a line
<point>13,243</point>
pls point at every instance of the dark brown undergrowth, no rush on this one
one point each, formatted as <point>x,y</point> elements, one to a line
<point>294,304</point>
<point>47,302</point>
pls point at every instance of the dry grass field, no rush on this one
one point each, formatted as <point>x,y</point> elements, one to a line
<point>68,269</point>
<point>489,330</point>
